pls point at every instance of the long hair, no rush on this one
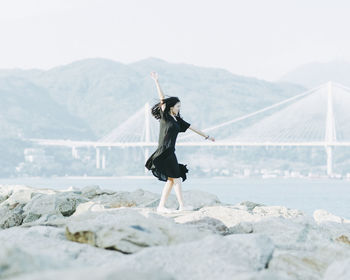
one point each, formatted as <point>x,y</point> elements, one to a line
<point>170,102</point>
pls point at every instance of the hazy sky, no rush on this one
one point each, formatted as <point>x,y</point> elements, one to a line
<point>261,38</point>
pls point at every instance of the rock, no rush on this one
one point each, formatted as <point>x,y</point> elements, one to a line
<point>26,205</point>
<point>14,260</point>
<point>339,270</point>
<point>138,198</point>
<point>93,191</point>
<point>20,194</point>
<point>228,215</point>
<point>142,198</point>
<point>277,211</point>
<point>63,204</point>
<point>322,216</point>
<point>207,223</point>
<point>171,262</point>
<point>199,199</point>
<point>305,264</point>
<point>41,248</point>
<point>213,257</point>
<point>31,217</point>
<point>247,205</point>
<point>103,234</point>
<point>128,230</point>
<point>93,273</point>
<point>338,228</point>
<point>237,218</point>
<point>10,217</point>
<point>88,207</point>
<point>291,234</point>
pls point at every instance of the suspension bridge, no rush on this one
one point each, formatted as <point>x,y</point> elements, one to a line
<point>317,117</point>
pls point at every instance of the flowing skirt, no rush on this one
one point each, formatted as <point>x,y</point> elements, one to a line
<point>163,164</point>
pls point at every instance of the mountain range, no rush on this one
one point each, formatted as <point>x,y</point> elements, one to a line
<point>86,99</point>
<point>316,73</point>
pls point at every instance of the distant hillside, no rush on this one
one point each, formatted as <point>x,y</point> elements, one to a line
<point>100,94</point>
<point>27,110</point>
<point>314,74</point>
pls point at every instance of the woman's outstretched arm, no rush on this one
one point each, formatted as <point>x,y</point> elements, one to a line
<point>154,76</point>
<point>201,133</point>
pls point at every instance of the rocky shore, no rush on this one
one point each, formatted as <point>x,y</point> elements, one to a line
<point>91,233</point>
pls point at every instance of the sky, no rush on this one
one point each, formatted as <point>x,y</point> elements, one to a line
<point>257,38</point>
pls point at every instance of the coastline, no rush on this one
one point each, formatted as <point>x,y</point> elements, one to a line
<point>101,233</point>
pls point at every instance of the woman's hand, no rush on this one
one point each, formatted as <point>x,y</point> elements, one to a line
<point>210,138</point>
<point>154,76</point>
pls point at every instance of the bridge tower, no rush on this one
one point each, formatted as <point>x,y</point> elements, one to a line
<point>100,158</point>
<point>330,135</point>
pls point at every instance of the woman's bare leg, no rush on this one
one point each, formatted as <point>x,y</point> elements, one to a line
<point>178,192</point>
<point>165,193</point>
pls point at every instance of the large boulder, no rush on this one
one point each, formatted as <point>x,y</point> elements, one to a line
<point>62,203</point>
<point>339,269</point>
<point>212,257</point>
<point>128,230</point>
<point>142,198</point>
<point>39,248</point>
<point>23,204</point>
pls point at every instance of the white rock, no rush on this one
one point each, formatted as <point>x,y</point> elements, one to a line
<point>307,264</point>
<point>213,257</point>
<point>338,228</point>
<point>87,207</point>
<point>277,211</point>
<point>228,215</point>
<point>138,197</point>
<point>41,248</point>
<point>93,191</point>
<point>142,198</point>
<point>128,229</point>
<point>62,203</point>
<point>14,260</point>
<point>96,273</point>
<point>339,270</point>
<point>322,216</point>
<point>216,241</point>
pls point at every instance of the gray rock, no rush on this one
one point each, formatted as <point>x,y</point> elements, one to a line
<point>128,230</point>
<point>339,270</point>
<point>213,257</point>
<point>41,248</point>
<point>92,191</point>
<point>94,273</point>
<point>11,216</point>
<point>64,204</point>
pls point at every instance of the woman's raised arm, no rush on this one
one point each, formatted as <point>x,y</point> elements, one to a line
<point>154,76</point>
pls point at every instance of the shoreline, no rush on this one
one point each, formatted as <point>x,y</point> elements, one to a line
<point>100,234</point>
<point>193,178</point>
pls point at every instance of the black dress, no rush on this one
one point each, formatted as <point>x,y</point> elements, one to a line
<point>163,162</point>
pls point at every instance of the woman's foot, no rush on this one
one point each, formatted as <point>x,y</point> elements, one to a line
<point>186,208</point>
<point>162,209</point>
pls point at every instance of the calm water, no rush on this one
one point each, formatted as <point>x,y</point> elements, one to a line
<point>306,194</point>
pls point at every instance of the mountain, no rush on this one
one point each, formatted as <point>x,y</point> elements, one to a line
<point>314,74</point>
<point>99,94</point>
<point>27,110</point>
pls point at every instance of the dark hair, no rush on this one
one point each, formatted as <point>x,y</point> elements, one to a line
<point>170,102</point>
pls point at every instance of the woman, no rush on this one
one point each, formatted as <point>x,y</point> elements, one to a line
<point>163,162</point>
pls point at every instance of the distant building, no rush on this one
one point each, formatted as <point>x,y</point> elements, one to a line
<point>37,155</point>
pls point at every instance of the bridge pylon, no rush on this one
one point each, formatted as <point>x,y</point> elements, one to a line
<point>330,135</point>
